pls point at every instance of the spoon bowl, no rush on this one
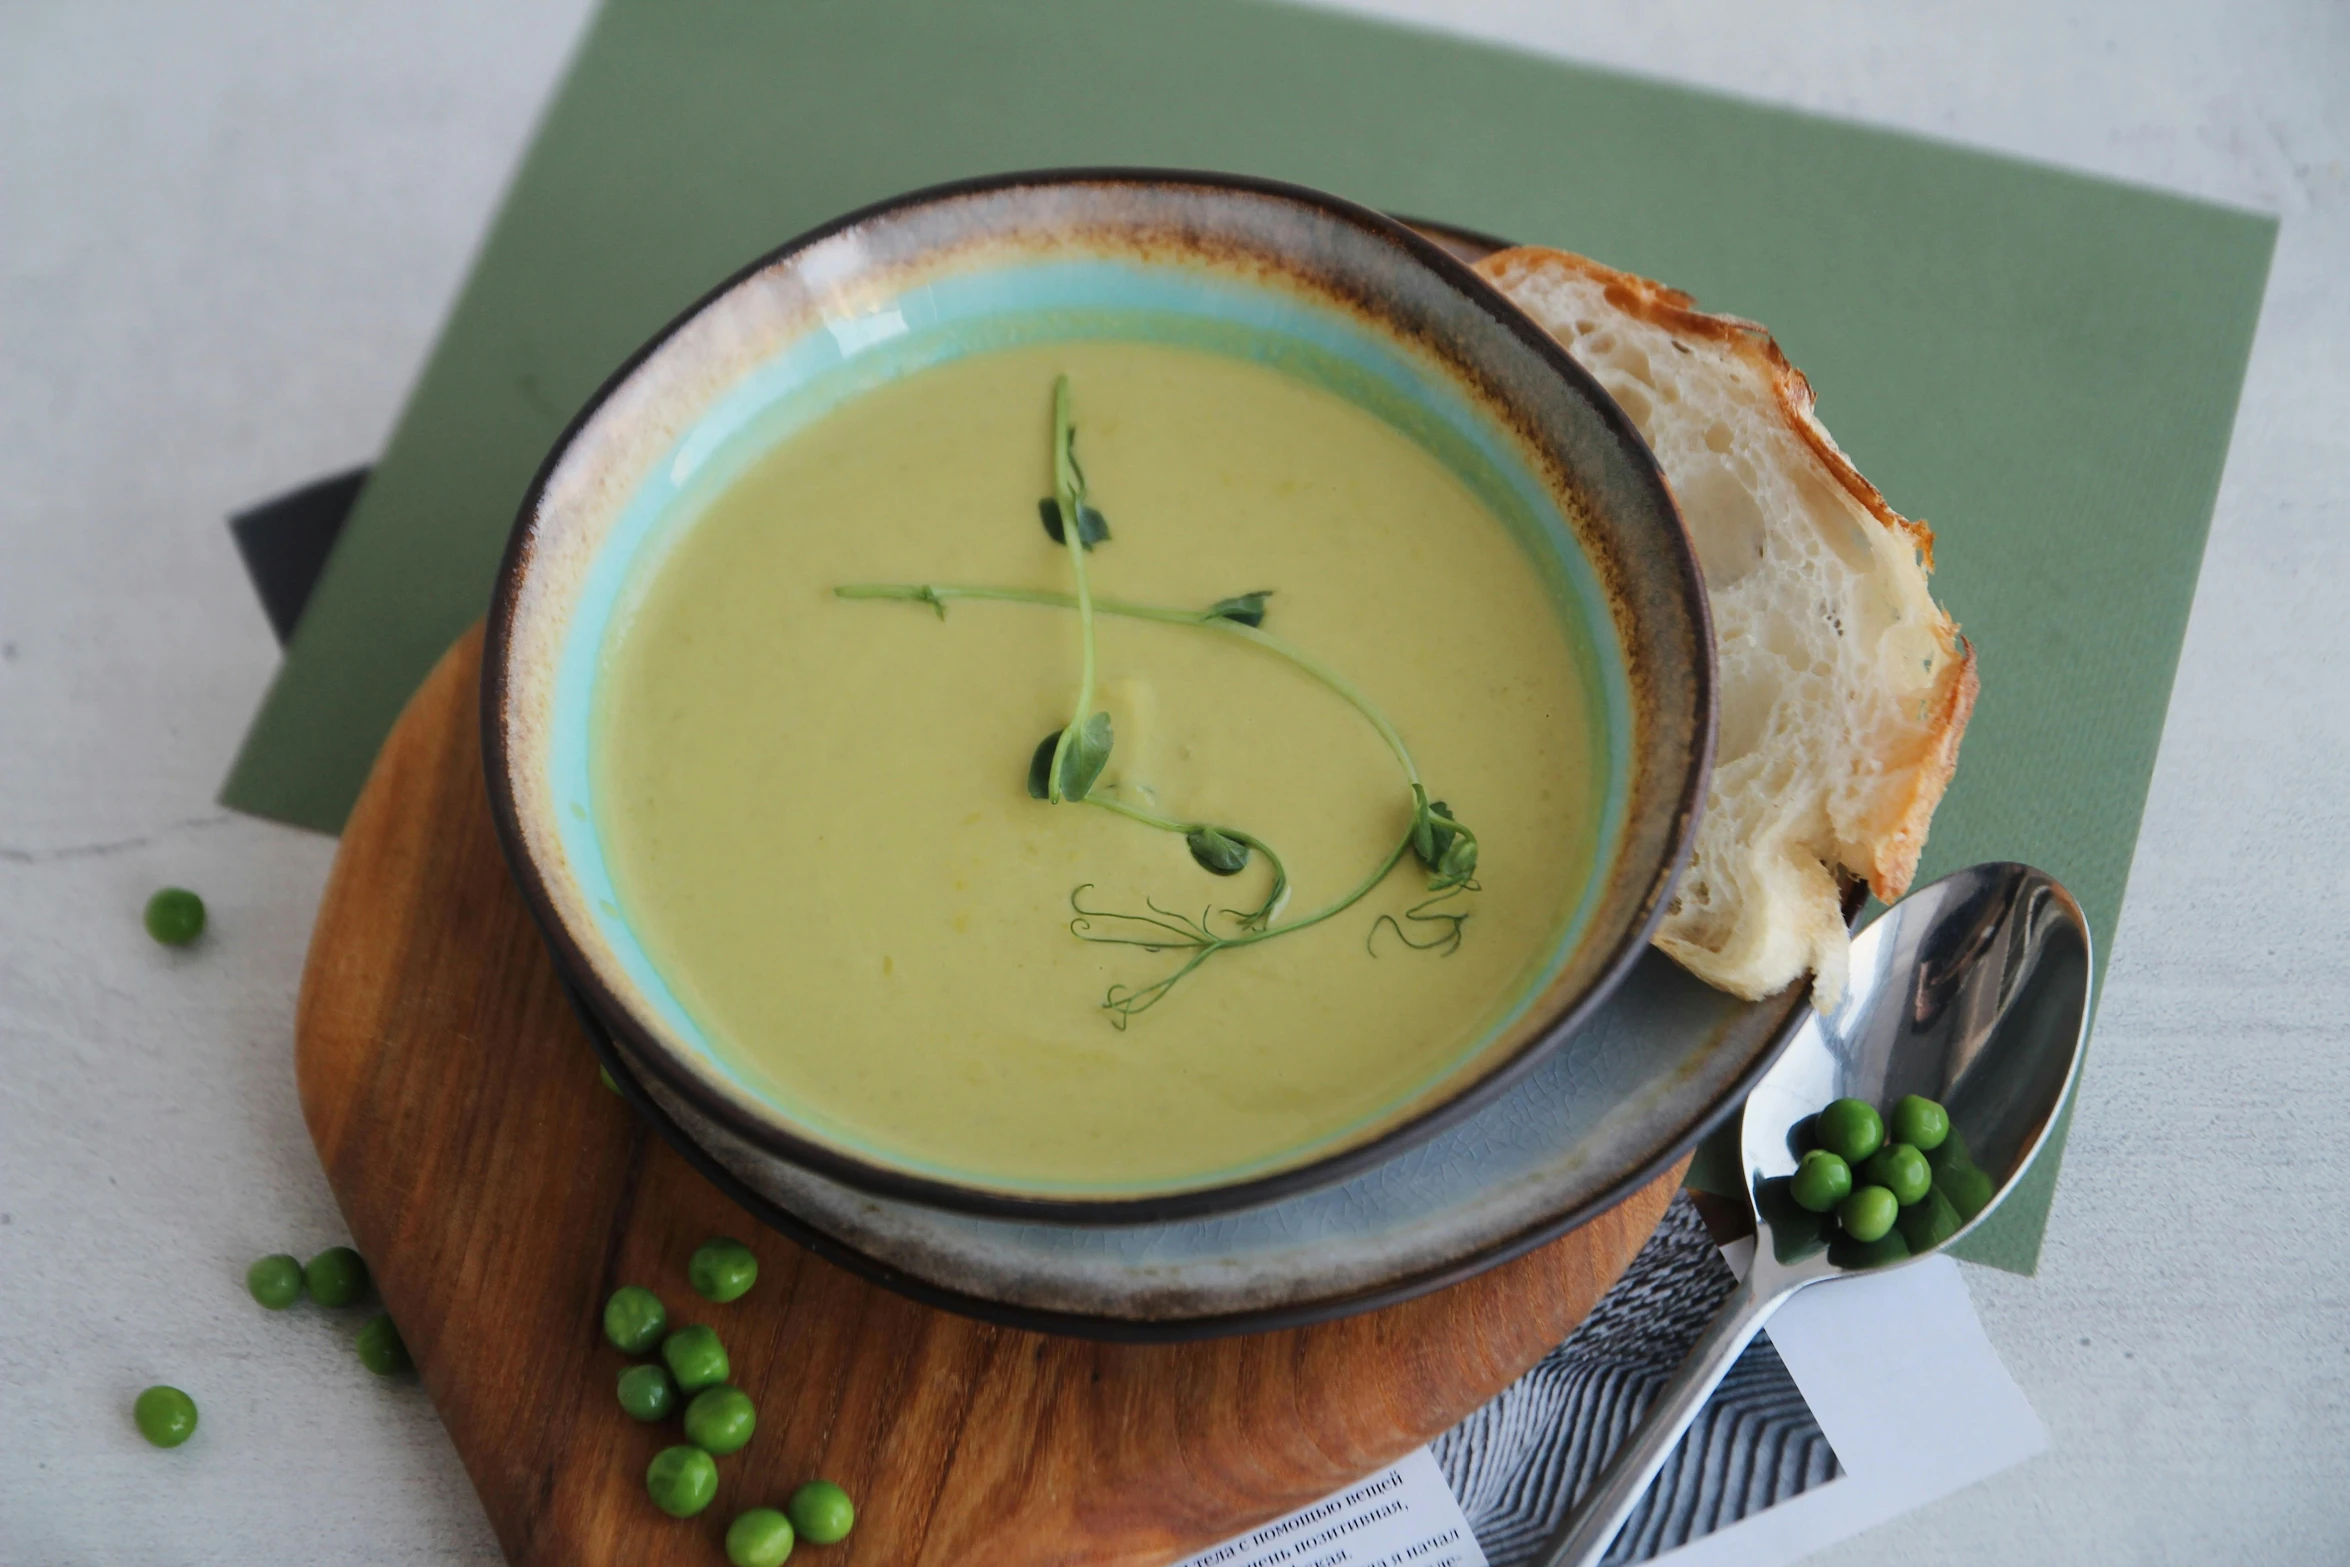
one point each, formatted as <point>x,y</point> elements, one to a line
<point>1973,991</point>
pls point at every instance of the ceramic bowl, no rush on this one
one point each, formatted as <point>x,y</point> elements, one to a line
<point>1325,289</point>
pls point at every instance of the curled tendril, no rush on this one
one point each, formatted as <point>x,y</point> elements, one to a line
<point>1445,940</point>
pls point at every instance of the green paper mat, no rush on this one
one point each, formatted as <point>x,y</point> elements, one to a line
<point>2044,365</point>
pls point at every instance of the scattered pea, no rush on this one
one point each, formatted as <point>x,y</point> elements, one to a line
<point>720,1420</point>
<point>381,1349</point>
<point>1850,1129</point>
<point>761,1537</point>
<point>634,1320</point>
<point>646,1392</point>
<point>821,1512</point>
<point>695,1358</point>
<point>1901,1170</point>
<point>337,1277</point>
<point>1920,1122</point>
<point>175,916</point>
<point>275,1280</point>
<point>722,1270</point>
<point>681,1480</point>
<point>1868,1213</point>
<point>1821,1181</point>
<point>165,1415</point>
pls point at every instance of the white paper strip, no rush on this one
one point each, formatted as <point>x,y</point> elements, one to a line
<point>1400,1517</point>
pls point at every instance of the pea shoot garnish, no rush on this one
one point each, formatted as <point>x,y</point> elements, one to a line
<point>1066,767</point>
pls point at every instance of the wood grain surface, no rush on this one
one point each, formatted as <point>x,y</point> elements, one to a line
<point>501,1193</point>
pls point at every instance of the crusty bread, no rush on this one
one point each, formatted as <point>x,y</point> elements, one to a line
<point>1844,687</point>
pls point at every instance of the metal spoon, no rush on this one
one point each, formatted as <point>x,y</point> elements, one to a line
<point>1973,991</point>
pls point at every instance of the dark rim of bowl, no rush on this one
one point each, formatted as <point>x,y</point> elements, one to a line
<point>1192,1202</point>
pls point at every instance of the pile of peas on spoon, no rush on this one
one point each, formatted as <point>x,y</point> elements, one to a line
<point>692,1375</point>
<point>1896,1195</point>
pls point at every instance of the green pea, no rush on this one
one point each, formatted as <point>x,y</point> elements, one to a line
<point>1868,1213</point>
<point>381,1349</point>
<point>720,1420</point>
<point>1920,1122</point>
<point>634,1319</point>
<point>275,1280</point>
<point>761,1537</point>
<point>722,1270</point>
<point>166,1416</point>
<point>1820,1182</point>
<point>175,916</point>
<point>1850,1129</point>
<point>337,1277</point>
<point>1931,1222</point>
<point>681,1480</point>
<point>1901,1170</point>
<point>647,1393</point>
<point>821,1512</point>
<point>695,1358</point>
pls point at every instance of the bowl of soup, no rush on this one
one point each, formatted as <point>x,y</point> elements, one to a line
<point>1096,696</point>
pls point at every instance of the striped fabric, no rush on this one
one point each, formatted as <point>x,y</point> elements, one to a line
<point>1518,1463</point>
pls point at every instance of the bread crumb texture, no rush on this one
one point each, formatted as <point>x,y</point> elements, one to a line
<point>1844,687</point>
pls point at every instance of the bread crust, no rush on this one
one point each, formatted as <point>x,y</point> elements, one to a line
<point>1897,843</point>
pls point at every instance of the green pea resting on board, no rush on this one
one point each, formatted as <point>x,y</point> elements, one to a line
<point>821,1512</point>
<point>681,1480</point>
<point>646,1393</point>
<point>175,916</point>
<point>165,1416</point>
<point>720,1420</point>
<point>634,1320</point>
<point>336,1277</point>
<point>695,1358</point>
<point>380,1347</point>
<point>275,1281</point>
<point>761,1537</point>
<point>722,1270</point>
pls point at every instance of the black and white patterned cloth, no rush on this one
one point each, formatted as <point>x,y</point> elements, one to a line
<point>1519,1464</point>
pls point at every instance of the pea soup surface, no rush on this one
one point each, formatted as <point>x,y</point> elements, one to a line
<point>817,816</point>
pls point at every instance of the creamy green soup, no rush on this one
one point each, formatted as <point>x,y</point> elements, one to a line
<point>817,815</point>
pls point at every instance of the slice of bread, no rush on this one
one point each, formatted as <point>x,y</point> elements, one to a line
<point>1844,687</point>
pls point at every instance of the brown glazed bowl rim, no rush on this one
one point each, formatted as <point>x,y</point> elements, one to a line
<point>1670,815</point>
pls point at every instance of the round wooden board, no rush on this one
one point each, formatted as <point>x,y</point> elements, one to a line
<point>501,1193</point>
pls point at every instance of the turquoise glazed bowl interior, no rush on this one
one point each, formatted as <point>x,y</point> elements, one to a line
<point>1314,287</point>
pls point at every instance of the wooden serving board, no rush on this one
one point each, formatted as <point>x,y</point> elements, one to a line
<point>501,1193</point>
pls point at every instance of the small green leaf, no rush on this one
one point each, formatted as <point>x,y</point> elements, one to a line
<point>1458,862</point>
<point>1092,526</point>
<point>1040,767</point>
<point>1084,757</point>
<point>1218,853</point>
<point>1247,609</point>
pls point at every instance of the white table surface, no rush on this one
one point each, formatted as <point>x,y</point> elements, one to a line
<point>227,234</point>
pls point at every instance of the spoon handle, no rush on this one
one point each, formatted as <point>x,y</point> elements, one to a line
<point>1593,1526</point>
